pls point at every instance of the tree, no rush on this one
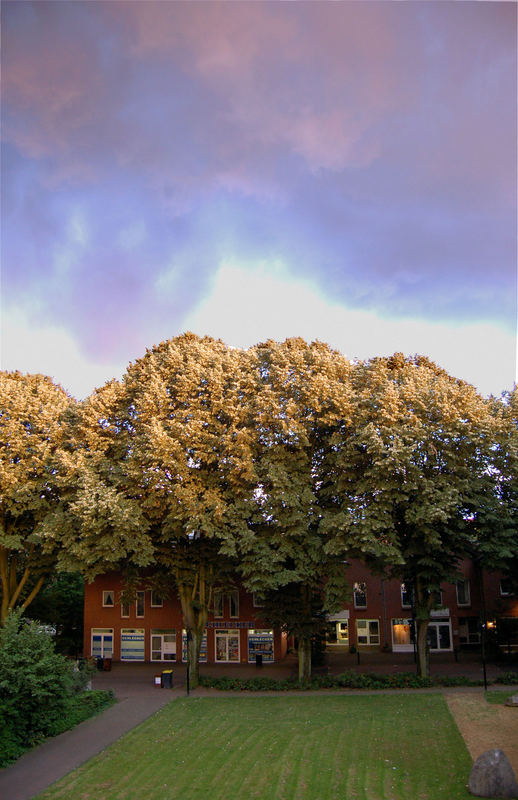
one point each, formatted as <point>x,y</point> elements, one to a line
<point>299,407</point>
<point>60,605</point>
<point>158,470</point>
<point>32,434</point>
<point>415,470</point>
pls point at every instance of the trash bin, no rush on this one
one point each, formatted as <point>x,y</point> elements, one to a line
<point>167,679</point>
<point>107,664</point>
<point>258,659</point>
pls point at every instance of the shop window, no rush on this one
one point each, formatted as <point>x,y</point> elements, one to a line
<point>227,645</point>
<point>140,604</point>
<point>156,601</point>
<point>463,593</point>
<point>102,643</point>
<point>218,604</point>
<point>360,595</point>
<point>367,631</point>
<point>132,644</point>
<point>233,600</point>
<point>125,610</point>
<point>109,598</point>
<point>406,595</point>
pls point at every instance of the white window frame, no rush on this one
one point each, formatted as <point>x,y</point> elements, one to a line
<point>467,592</point>
<point>233,599</point>
<point>125,610</point>
<point>108,593</point>
<point>370,636</point>
<point>257,600</point>
<point>162,632</point>
<point>103,632</point>
<point>141,632</point>
<point>141,595</point>
<point>156,602</point>
<point>436,623</point>
<point>357,589</point>
<point>227,633</point>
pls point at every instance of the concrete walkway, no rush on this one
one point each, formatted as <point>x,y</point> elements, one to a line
<point>37,769</point>
<point>139,698</point>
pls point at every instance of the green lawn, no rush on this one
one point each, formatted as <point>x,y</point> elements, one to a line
<point>376,747</point>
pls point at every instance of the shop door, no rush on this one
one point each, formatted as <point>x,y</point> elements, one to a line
<point>163,646</point>
<point>439,636</point>
<point>227,645</point>
<point>342,632</point>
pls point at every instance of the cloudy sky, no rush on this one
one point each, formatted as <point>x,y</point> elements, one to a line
<point>340,171</point>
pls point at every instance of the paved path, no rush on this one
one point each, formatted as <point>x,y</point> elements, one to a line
<point>37,769</point>
<point>139,698</point>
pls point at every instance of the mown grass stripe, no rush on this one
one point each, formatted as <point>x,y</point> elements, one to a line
<point>282,748</point>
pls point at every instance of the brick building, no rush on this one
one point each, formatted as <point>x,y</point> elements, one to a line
<point>379,616</point>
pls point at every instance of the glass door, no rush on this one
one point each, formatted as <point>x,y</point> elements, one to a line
<point>227,645</point>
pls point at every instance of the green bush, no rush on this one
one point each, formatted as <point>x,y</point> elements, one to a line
<point>507,678</point>
<point>36,686</point>
<point>347,680</point>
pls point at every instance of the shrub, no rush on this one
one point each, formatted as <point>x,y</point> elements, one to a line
<point>36,685</point>
<point>507,678</point>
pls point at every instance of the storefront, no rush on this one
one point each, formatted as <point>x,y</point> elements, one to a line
<point>439,635</point>
<point>132,644</point>
<point>226,645</point>
<point>203,649</point>
<point>163,645</point>
<point>341,625</point>
<point>260,643</point>
<point>102,643</point>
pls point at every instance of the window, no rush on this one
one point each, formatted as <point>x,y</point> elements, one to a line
<point>233,599</point>
<point>102,642</point>
<point>367,631</point>
<point>258,600</point>
<point>469,630</point>
<point>360,595</point>
<point>140,604</point>
<point>439,636</point>
<point>163,645</point>
<point>406,595</point>
<point>156,601</point>
<point>463,593</point>
<point>109,598</point>
<point>125,610</point>
<point>132,644</point>
<point>506,587</point>
<point>218,604</point>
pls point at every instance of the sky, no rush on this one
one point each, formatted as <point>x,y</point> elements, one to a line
<point>340,171</point>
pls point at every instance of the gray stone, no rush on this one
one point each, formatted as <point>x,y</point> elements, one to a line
<point>513,700</point>
<point>493,776</point>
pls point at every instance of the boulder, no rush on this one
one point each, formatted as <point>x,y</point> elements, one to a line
<point>493,776</point>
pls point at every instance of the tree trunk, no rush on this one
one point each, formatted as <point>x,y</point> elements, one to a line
<point>423,651</point>
<point>304,654</point>
<point>193,656</point>
<point>195,613</point>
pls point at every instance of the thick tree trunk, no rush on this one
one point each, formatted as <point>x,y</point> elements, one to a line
<point>423,651</point>
<point>194,600</point>
<point>304,655</point>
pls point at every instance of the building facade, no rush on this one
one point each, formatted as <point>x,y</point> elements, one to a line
<point>379,616</point>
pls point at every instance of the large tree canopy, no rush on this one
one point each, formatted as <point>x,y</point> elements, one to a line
<point>421,471</point>
<point>32,433</point>
<point>298,409</point>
